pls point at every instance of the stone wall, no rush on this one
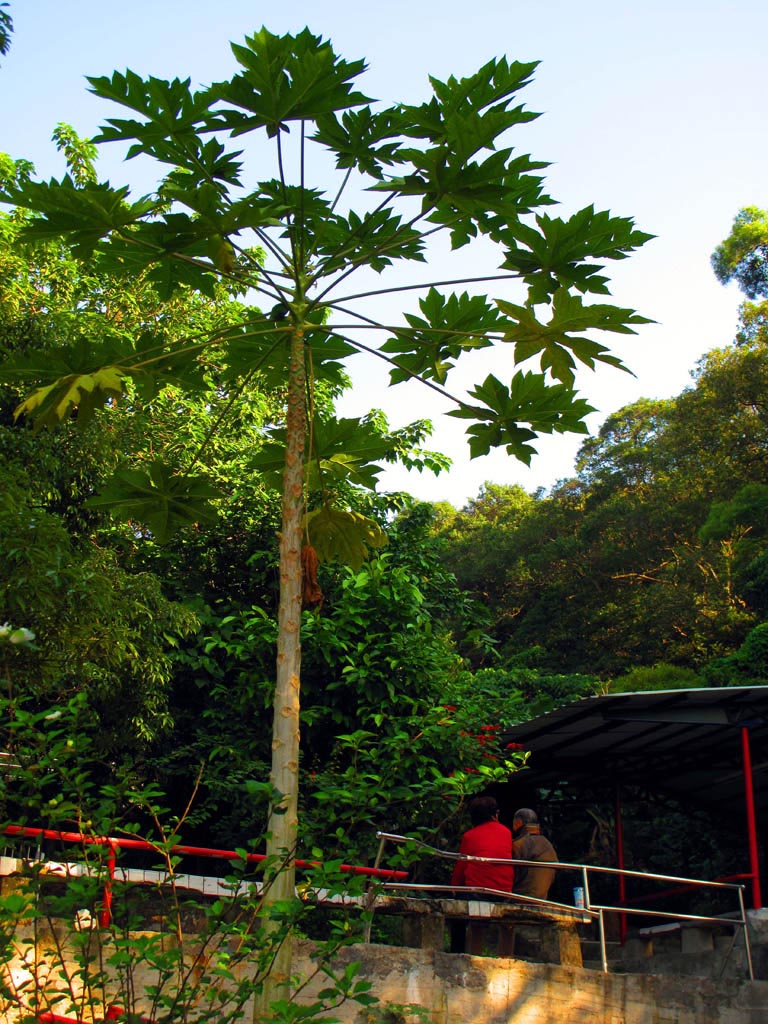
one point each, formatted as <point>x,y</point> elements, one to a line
<point>460,989</point>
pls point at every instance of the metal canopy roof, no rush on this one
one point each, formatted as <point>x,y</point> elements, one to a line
<point>686,743</point>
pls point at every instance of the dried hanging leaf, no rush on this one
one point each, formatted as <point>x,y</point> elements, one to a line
<point>312,593</point>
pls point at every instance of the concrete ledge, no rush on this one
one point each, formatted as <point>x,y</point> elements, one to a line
<point>462,989</point>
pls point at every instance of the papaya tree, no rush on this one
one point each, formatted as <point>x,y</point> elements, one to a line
<point>271,219</point>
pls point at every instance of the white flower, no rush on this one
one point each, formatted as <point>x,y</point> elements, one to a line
<point>21,636</point>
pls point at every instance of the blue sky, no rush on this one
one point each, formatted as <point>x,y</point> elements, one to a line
<point>652,110</point>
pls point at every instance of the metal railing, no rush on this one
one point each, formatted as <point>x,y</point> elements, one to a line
<point>592,908</point>
<point>388,879</point>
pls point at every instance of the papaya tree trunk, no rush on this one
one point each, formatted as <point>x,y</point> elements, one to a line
<point>283,819</point>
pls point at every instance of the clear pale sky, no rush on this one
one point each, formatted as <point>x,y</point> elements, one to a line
<point>654,110</point>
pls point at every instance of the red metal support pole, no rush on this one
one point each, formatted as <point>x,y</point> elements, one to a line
<point>620,863</point>
<point>749,793</point>
<point>105,914</point>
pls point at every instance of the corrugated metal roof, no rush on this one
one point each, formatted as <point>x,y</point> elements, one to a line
<point>683,742</point>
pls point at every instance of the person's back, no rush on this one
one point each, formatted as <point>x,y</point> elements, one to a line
<point>488,838</point>
<point>530,844</point>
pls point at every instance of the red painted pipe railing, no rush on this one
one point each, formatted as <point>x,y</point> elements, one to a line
<point>113,843</point>
<point>114,1012</point>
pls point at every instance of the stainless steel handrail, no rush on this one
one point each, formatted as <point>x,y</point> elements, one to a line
<point>594,909</point>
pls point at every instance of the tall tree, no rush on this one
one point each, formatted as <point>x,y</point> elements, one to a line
<point>439,167</point>
<point>743,255</point>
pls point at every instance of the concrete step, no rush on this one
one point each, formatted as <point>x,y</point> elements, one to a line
<point>592,959</point>
<point>590,948</point>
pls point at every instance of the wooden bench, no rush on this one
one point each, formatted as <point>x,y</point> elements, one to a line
<point>544,932</point>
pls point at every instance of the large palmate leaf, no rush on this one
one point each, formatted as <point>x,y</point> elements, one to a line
<point>362,138</point>
<point>467,196</point>
<point>286,78</point>
<point>344,449</point>
<point>75,380</point>
<point>39,366</point>
<point>173,114</point>
<point>157,498</point>
<point>559,341</point>
<point>174,248</point>
<point>261,346</point>
<point>79,394</point>
<point>475,110</point>
<point>347,449</point>
<point>82,214</point>
<point>172,252</point>
<point>342,536</point>
<point>375,240</point>
<point>469,114</point>
<point>529,399</point>
<point>556,254</point>
<point>451,325</point>
<point>437,177</point>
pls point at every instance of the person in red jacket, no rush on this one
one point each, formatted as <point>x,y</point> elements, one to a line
<point>487,838</point>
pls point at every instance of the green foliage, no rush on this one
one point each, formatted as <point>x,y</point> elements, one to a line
<point>100,629</point>
<point>414,778</point>
<point>747,665</point>
<point>657,677</point>
<point>654,553</point>
<point>396,1013</point>
<point>488,697</point>
<point>747,509</point>
<point>80,154</point>
<point>162,952</point>
<point>517,691</point>
<point>379,749</point>
<point>743,256</point>
<point>158,498</point>
<point>378,645</point>
<point>105,626</point>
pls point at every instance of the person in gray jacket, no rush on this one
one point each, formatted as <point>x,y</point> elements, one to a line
<point>529,844</point>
